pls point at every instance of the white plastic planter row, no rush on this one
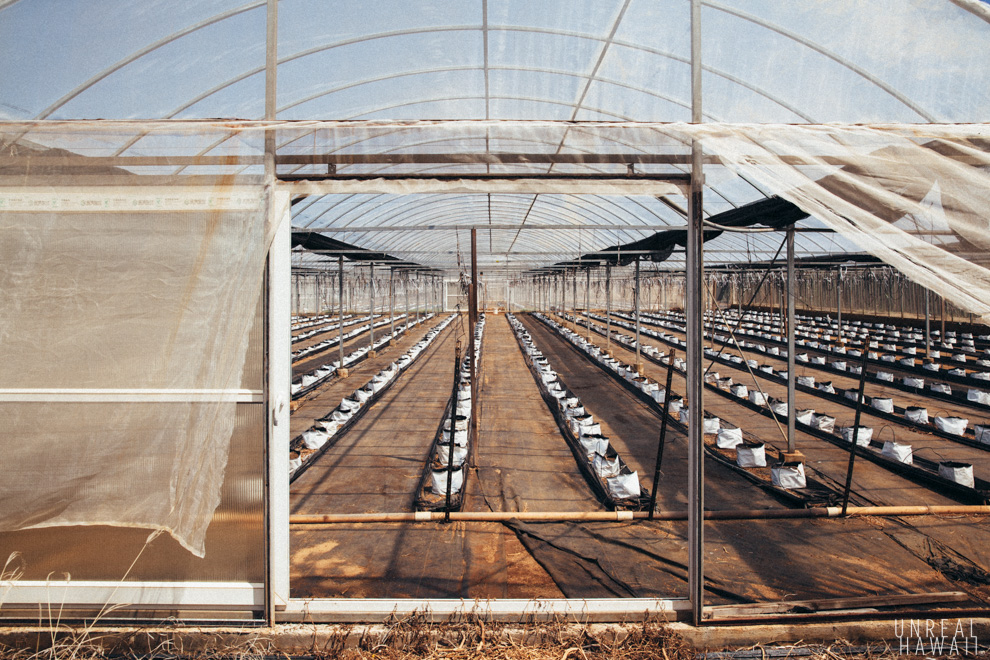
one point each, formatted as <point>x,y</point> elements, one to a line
<point>751,455</point>
<point>960,473</point>
<point>899,451</point>
<point>863,435</point>
<point>788,476</point>
<point>916,414</point>
<point>951,425</point>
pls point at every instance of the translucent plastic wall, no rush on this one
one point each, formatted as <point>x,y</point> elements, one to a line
<point>132,390</point>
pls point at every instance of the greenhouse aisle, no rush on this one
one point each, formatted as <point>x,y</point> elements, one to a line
<point>325,398</point>
<point>376,467</point>
<point>773,558</point>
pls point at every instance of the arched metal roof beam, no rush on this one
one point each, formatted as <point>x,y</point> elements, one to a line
<point>150,48</point>
<point>866,75</point>
<point>438,205</point>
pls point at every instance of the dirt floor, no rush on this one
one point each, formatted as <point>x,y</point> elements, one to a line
<point>521,462</point>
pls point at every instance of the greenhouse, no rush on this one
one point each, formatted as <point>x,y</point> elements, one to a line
<point>336,312</point>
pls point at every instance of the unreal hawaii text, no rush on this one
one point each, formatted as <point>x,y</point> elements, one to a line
<point>931,637</point>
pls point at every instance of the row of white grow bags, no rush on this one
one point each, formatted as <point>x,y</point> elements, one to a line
<point>330,425</point>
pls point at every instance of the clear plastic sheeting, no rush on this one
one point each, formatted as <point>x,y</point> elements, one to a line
<point>913,196</point>
<point>121,298</point>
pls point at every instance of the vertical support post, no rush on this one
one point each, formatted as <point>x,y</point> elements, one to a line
<point>418,286</point>
<point>663,432</point>
<point>942,305</point>
<point>453,432</point>
<point>391,303</point>
<point>695,308</point>
<point>277,349</point>
<point>371,293</point>
<point>791,396</point>
<point>574,296</point>
<point>639,361</point>
<point>608,308</point>
<point>838,296</point>
<point>854,445</point>
<point>340,325</point>
<point>587,300</point>
<point>928,327</point>
<point>405,286</point>
<point>473,317</point>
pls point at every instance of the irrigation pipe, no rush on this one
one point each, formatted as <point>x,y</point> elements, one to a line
<point>607,516</point>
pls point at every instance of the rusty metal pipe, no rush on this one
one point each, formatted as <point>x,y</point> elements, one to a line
<point>548,516</point>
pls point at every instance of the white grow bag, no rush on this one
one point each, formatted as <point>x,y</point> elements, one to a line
<point>710,425</point>
<point>590,429</point>
<point>916,414</point>
<point>982,433</point>
<point>779,408</point>
<point>979,396</point>
<point>899,451</point>
<point>314,439</point>
<point>804,416</point>
<point>594,444</point>
<point>460,437</point>
<point>460,423</point>
<point>952,425</point>
<point>863,435</point>
<point>823,423</point>
<point>328,426</point>
<point>914,382</point>
<point>749,456</point>
<point>443,454</point>
<point>729,438</point>
<point>624,486</point>
<point>883,404</point>
<point>759,398</point>
<point>606,468</point>
<point>961,473</point>
<point>788,475</point>
<point>740,391</point>
<point>439,481</point>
